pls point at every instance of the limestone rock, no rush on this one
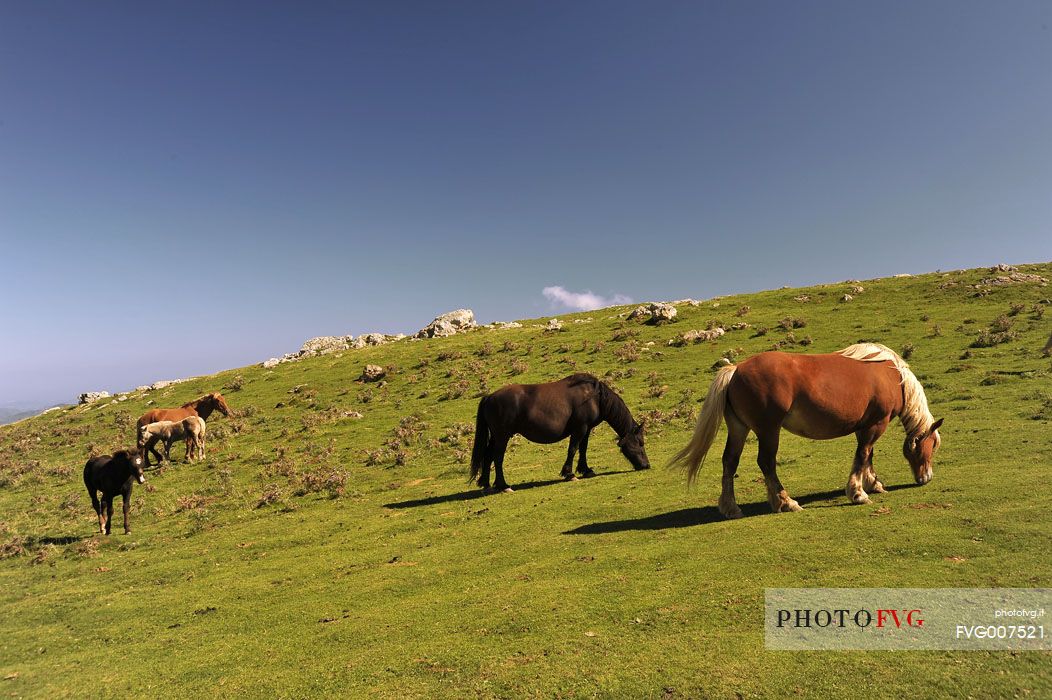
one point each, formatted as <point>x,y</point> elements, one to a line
<point>373,373</point>
<point>449,324</point>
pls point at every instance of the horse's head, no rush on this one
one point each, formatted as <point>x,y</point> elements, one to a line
<point>219,403</point>
<point>631,444</point>
<point>919,450</point>
<point>134,461</point>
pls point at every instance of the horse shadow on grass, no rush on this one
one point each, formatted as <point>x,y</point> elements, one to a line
<point>705,515</point>
<point>35,542</point>
<point>479,493</point>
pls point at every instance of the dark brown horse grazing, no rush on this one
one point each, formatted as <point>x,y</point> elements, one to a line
<point>857,390</point>
<point>202,407</point>
<point>547,413</point>
<point>113,476</point>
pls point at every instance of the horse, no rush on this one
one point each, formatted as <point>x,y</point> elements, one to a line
<point>191,429</point>
<point>856,390</point>
<point>202,407</point>
<point>549,413</point>
<point>112,475</point>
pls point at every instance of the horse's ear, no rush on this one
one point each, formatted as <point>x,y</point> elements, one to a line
<point>935,426</point>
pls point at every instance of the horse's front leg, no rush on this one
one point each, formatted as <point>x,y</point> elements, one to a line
<point>98,511</point>
<point>151,446</point>
<point>776,493</point>
<point>567,470</point>
<point>582,463</point>
<point>862,477</point>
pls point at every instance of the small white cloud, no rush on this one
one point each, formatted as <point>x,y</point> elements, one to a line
<point>582,301</point>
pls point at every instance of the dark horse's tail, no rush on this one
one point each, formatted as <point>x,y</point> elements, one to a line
<point>478,452</point>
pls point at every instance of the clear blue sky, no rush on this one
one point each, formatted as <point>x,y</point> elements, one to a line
<point>191,186</point>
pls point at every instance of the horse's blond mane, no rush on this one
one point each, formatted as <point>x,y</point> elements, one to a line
<point>915,417</point>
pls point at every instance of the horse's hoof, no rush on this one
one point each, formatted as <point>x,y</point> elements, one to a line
<point>569,477</point>
<point>861,500</point>
<point>878,488</point>
<point>507,489</point>
<point>587,474</point>
<point>734,514</point>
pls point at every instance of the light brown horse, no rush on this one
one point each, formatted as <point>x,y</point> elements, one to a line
<point>191,429</point>
<point>202,407</point>
<point>856,390</point>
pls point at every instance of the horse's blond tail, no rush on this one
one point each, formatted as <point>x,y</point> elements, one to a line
<point>708,424</point>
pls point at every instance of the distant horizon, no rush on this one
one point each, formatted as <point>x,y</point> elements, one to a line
<point>31,404</point>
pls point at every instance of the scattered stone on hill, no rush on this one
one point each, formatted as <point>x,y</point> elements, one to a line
<point>696,336</point>
<point>803,298</point>
<point>502,325</point>
<point>857,289</point>
<point>722,362</point>
<point>740,326</point>
<point>449,324</point>
<point>582,320</point>
<point>164,383</point>
<point>553,325</point>
<point>846,297</point>
<point>660,312</point>
<point>353,414</point>
<point>1001,267</point>
<point>903,274</point>
<point>324,344</point>
<point>373,373</point>
<point>1012,278</point>
<point>93,396</point>
<point>688,302</point>
<point>638,312</point>
<point>655,312</point>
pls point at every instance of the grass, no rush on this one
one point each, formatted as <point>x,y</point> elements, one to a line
<point>316,552</point>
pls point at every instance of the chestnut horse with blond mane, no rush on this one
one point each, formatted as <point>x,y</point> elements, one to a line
<point>856,390</point>
<point>202,407</point>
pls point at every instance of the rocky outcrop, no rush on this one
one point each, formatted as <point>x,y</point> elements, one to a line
<point>373,373</point>
<point>93,396</point>
<point>1013,278</point>
<point>697,336</point>
<point>326,344</point>
<point>655,312</point>
<point>449,324</point>
<point>554,325</point>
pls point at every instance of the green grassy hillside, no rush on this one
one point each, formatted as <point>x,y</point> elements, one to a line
<point>315,552</point>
